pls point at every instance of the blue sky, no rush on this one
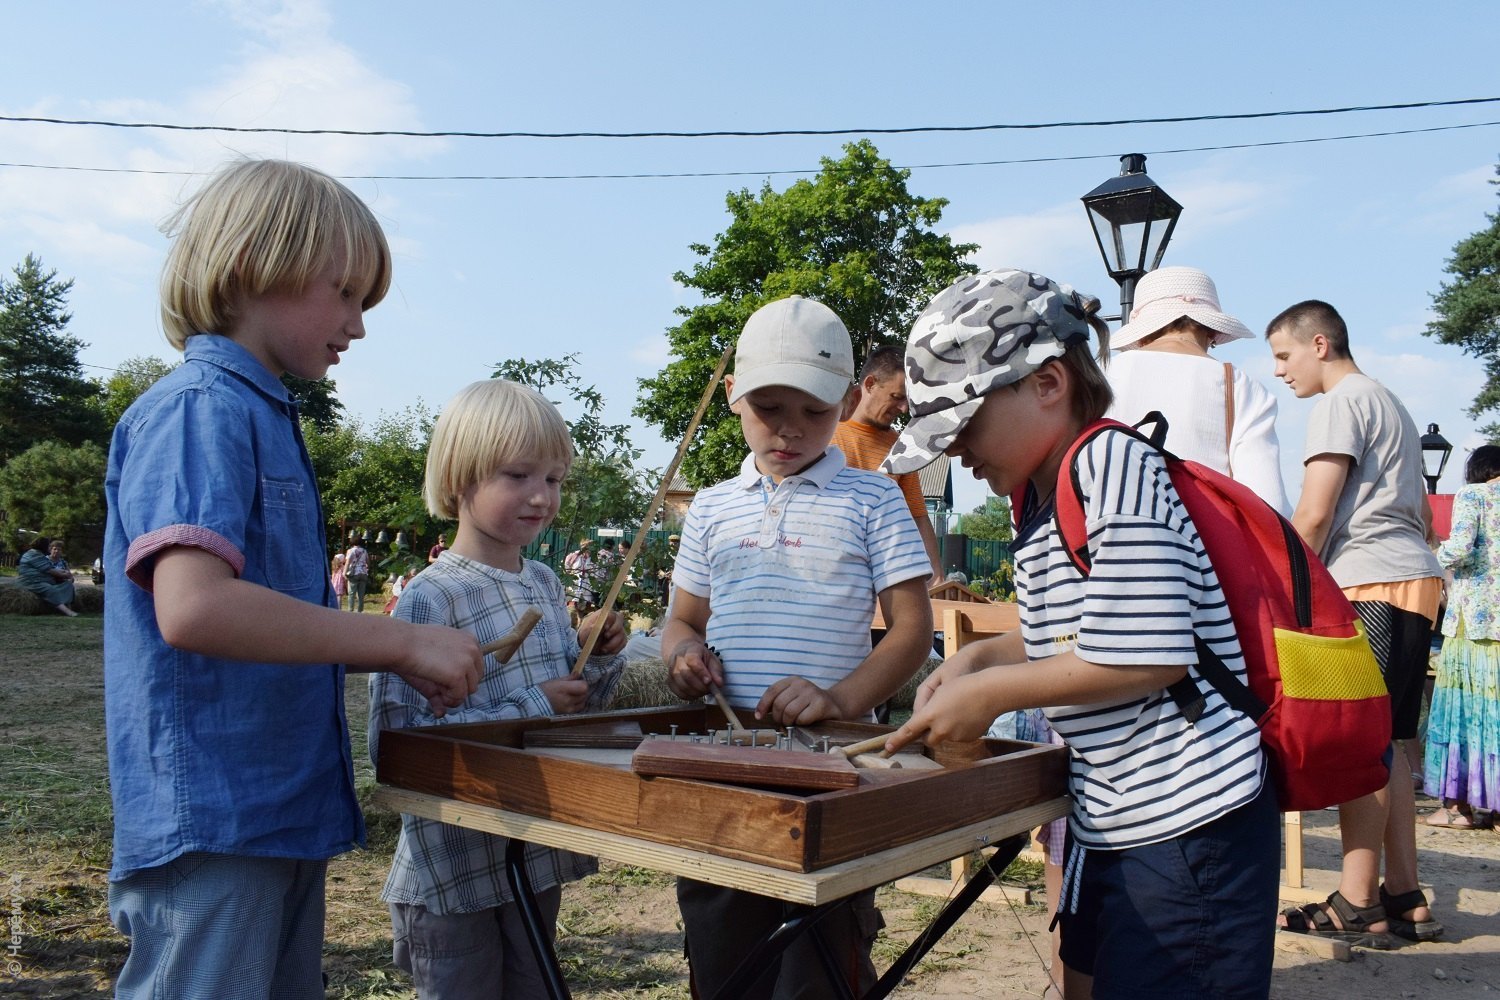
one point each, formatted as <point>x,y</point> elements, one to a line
<point>489,270</point>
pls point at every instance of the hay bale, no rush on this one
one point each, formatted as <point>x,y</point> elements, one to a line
<point>904,698</point>
<point>644,685</point>
<point>17,600</point>
<point>88,599</point>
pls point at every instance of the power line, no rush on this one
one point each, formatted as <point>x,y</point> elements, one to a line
<point>745,133</point>
<point>781,172</point>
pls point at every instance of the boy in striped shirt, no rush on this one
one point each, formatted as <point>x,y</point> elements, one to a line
<point>1170,887</point>
<point>774,586</point>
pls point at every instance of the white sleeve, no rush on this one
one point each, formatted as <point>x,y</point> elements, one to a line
<point>1254,452</point>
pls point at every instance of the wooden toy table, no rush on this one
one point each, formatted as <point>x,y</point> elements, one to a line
<point>809,849</point>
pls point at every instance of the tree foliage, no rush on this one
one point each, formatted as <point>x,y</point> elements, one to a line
<point>133,377</point>
<point>990,522</point>
<point>315,400</point>
<point>1468,311</point>
<point>43,392</point>
<point>54,489</point>
<point>853,238</point>
<point>376,474</point>
<point>604,489</point>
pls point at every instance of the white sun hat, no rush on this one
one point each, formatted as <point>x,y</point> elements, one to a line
<point>1170,293</point>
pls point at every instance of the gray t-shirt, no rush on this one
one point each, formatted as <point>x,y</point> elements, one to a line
<point>1378,532</point>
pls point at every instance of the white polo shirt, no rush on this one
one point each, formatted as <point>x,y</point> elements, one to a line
<point>791,570</point>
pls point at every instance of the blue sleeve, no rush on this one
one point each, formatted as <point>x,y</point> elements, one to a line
<point>188,478</point>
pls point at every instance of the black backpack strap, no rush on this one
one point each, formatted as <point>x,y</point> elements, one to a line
<point>1223,680</point>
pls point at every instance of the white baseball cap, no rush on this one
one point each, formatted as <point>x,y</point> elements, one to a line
<point>795,342</point>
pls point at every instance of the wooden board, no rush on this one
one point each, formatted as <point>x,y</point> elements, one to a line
<point>615,733</point>
<point>759,767</point>
<point>486,763</point>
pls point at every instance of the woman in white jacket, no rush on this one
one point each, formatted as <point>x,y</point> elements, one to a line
<point>1216,414</point>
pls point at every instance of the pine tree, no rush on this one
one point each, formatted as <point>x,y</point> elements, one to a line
<point>43,392</point>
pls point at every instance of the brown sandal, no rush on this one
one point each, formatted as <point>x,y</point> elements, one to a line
<point>1396,908</point>
<point>1313,918</point>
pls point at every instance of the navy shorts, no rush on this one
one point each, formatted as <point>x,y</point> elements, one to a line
<point>1402,641</point>
<point>1194,916</point>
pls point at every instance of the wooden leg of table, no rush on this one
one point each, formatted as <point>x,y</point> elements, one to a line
<point>1292,841</point>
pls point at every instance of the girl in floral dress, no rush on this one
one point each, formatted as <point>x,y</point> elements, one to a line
<point>1463,727</point>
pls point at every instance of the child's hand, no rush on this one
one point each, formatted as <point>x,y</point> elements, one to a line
<point>796,701</point>
<point>961,663</point>
<point>692,668</point>
<point>611,641</point>
<point>444,665</point>
<point>566,694</point>
<point>957,709</point>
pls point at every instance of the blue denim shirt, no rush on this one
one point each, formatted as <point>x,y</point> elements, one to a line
<point>208,754</point>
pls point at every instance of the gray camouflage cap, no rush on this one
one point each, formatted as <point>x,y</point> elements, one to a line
<point>982,332</point>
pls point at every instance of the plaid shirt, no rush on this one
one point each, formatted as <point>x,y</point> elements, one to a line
<point>445,868</point>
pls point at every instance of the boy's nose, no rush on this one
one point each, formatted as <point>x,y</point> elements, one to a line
<point>356,327</point>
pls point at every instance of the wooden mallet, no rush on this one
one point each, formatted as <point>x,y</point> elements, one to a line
<point>862,754</point>
<point>505,647</point>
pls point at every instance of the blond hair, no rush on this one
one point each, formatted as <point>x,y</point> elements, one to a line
<point>482,428</point>
<point>261,226</point>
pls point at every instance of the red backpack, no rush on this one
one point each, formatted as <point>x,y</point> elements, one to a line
<point>1314,685</point>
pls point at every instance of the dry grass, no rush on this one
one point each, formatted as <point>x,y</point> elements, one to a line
<point>619,935</point>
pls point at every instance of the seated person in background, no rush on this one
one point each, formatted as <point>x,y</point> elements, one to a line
<point>39,573</point>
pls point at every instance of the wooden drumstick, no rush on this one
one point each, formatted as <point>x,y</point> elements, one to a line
<point>864,747</point>
<point>505,647</point>
<point>723,703</point>
<point>623,571</point>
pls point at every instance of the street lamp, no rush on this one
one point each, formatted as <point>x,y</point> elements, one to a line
<point>1133,219</point>
<point>1435,452</point>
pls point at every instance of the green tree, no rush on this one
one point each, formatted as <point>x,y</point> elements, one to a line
<point>43,392</point>
<point>604,489</point>
<point>853,238</point>
<point>1468,311</point>
<point>315,400</point>
<point>989,521</point>
<point>133,377</point>
<point>376,474</point>
<point>53,489</point>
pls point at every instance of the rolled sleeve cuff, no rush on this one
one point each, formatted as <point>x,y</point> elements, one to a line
<point>139,558</point>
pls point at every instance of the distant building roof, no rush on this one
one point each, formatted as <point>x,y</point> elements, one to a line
<point>679,484</point>
<point>936,480</point>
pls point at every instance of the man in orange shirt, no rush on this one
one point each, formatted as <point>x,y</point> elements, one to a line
<point>866,435</point>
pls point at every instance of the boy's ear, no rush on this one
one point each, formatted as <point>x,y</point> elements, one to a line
<point>1320,346</point>
<point>1051,382</point>
<point>734,407</point>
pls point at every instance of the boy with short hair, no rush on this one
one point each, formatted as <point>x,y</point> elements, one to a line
<point>779,569</point>
<point>1173,856</point>
<point>498,457</point>
<point>229,759</point>
<point>1363,509</point>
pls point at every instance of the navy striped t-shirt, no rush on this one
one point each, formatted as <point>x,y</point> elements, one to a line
<point>1140,773</point>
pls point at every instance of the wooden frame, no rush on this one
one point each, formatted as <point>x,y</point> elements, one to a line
<point>485,764</point>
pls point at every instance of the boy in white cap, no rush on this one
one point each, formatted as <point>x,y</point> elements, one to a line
<point>774,587</point>
<point>1173,856</point>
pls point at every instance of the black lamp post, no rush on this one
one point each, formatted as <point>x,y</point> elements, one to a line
<point>1133,219</point>
<point>1435,452</point>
